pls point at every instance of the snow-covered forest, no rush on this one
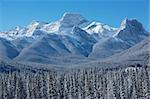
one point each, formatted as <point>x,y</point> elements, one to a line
<point>93,83</point>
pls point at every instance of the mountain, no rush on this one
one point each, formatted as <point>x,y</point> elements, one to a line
<point>53,45</point>
<point>130,33</point>
<point>70,40</point>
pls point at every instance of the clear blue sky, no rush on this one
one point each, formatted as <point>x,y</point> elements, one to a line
<point>22,12</point>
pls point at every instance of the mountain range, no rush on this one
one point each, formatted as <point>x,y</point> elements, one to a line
<point>74,40</point>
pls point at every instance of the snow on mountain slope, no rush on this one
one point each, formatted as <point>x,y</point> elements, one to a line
<point>13,33</point>
<point>44,49</point>
<point>24,41</point>
<point>130,33</point>
<point>62,26</point>
<point>34,25</point>
<point>52,45</point>
<point>52,27</point>
<point>19,32</point>
<point>100,31</point>
<point>7,50</point>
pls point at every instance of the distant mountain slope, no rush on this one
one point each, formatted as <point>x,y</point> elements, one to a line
<point>7,50</point>
<point>138,53</point>
<point>23,42</point>
<point>108,47</point>
<point>52,45</point>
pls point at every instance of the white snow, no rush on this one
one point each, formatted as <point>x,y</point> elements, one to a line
<point>51,27</point>
<point>32,27</point>
<point>96,27</point>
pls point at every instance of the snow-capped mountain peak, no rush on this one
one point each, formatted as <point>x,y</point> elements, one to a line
<point>97,27</point>
<point>13,33</point>
<point>131,23</point>
<point>15,30</point>
<point>100,31</point>
<point>72,19</point>
<point>130,26</point>
<point>33,26</point>
<point>65,24</point>
<point>124,22</point>
<point>131,31</point>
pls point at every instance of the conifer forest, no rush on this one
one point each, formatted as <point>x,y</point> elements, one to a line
<point>93,83</point>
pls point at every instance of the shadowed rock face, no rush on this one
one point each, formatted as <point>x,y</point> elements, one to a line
<point>132,31</point>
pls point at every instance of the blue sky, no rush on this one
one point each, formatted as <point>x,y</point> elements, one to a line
<point>22,12</point>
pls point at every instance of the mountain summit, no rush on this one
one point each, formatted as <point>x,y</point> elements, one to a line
<point>131,31</point>
<point>72,19</point>
<point>133,23</point>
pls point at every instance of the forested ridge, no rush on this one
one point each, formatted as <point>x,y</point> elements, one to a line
<point>132,82</point>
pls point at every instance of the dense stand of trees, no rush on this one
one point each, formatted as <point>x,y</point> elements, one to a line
<point>93,83</point>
